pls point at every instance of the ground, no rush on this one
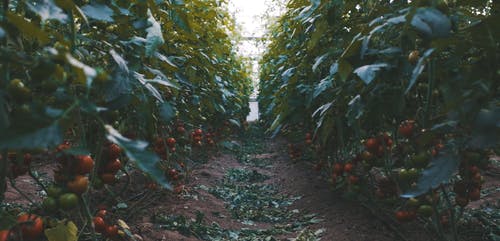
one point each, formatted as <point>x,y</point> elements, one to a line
<point>252,190</point>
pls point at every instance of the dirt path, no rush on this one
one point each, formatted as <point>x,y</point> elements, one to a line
<point>254,192</point>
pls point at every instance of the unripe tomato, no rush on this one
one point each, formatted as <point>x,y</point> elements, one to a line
<point>49,204</point>
<point>425,210</point>
<point>79,184</point>
<point>18,90</point>
<point>85,164</point>
<point>113,166</point>
<point>31,226</point>
<point>54,191</point>
<point>68,201</point>
<point>413,56</point>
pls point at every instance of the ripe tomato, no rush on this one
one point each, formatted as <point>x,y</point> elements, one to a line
<point>198,132</point>
<point>31,226</point>
<point>401,216</point>
<point>474,170</point>
<point>461,201</point>
<point>108,178</point>
<point>101,213</point>
<point>475,194</point>
<point>348,167</point>
<point>308,136</point>
<point>27,159</point>
<point>99,224</point>
<point>413,56</point>
<point>85,164</point>
<point>114,151</point>
<point>111,231</point>
<point>171,142</point>
<point>338,168</point>
<point>406,128</point>
<point>181,130</point>
<point>68,201</point>
<point>113,166</point>
<point>79,184</point>
<point>353,179</point>
<point>372,144</point>
<point>4,235</point>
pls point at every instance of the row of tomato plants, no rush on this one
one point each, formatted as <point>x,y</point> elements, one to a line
<point>97,89</point>
<point>396,101</point>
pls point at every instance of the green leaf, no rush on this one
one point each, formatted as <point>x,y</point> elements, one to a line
<point>154,37</point>
<point>368,73</point>
<point>136,151</point>
<point>167,111</point>
<point>344,69</point>
<point>47,137</point>
<point>431,23</point>
<point>323,85</point>
<point>235,122</point>
<point>85,73</point>
<point>62,232</point>
<point>355,110</point>
<point>7,220</point>
<point>28,28</point>
<point>99,12</point>
<point>440,171</point>
<point>47,9</point>
<point>318,61</point>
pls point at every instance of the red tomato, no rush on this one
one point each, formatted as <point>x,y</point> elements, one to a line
<point>198,132</point>
<point>338,168</point>
<point>114,151</point>
<point>101,213</point>
<point>31,226</point>
<point>348,167</point>
<point>171,142</point>
<point>113,166</point>
<point>112,231</point>
<point>4,235</point>
<point>99,224</point>
<point>79,185</point>
<point>85,164</point>
<point>406,128</point>
<point>108,178</point>
<point>372,144</point>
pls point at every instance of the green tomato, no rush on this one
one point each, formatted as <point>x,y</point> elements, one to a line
<point>68,201</point>
<point>54,191</point>
<point>49,204</point>
<point>425,210</point>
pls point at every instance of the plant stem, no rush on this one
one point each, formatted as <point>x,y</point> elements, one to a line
<point>452,213</point>
<point>3,174</point>
<point>431,66</point>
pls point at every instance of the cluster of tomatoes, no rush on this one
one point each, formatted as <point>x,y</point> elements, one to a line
<point>161,144</point>
<point>469,187</point>
<point>29,227</point>
<point>295,151</point>
<point>197,137</point>
<point>102,225</point>
<point>110,164</point>
<point>345,172</point>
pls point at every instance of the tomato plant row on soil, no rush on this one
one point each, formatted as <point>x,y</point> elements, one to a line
<point>397,102</point>
<point>94,90</point>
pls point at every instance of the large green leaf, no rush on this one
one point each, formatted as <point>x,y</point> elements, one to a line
<point>99,12</point>
<point>167,111</point>
<point>137,152</point>
<point>355,110</point>
<point>28,28</point>
<point>47,137</point>
<point>47,10</point>
<point>440,171</point>
<point>431,23</point>
<point>368,73</point>
<point>62,232</point>
<point>154,37</point>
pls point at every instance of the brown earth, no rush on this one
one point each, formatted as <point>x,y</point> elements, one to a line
<point>343,220</point>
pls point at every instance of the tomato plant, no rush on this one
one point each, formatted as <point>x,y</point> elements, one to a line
<point>383,85</point>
